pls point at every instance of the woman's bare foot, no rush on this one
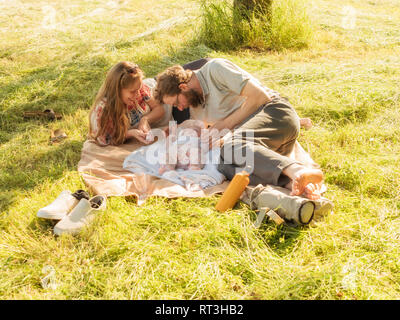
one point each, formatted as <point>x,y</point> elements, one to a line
<point>308,182</point>
<point>306,123</point>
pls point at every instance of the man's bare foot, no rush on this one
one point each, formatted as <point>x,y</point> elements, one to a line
<point>312,191</point>
<point>306,123</point>
<point>308,182</point>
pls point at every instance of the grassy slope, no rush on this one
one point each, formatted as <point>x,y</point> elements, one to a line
<point>347,82</point>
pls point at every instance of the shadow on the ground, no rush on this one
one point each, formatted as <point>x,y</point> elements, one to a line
<point>32,169</point>
<point>282,239</point>
<point>42,225</point>
<point>61,87</point>
<point>65,88</point>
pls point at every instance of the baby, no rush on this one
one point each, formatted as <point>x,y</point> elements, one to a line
<point>188,147</point>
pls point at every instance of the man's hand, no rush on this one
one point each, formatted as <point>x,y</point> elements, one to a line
<point>211,137</point>
<point>219,125</point>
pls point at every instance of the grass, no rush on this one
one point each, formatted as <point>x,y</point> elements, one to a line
<point>225,28</point>
<point>347,81</point>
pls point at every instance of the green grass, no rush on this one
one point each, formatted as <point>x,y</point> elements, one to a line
<point>347,81</point>
<point>224,28</point>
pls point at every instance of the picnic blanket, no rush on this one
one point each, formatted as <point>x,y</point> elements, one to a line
<point>102,171</point>
<point>101,168</point>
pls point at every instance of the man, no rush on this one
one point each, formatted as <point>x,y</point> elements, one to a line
<point>227,97</point>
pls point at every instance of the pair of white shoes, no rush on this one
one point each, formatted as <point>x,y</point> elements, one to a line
<point>73,214</point>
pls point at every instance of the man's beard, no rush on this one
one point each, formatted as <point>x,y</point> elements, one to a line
<point>194,98</point>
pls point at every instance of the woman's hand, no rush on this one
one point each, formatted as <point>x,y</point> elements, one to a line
<point>157,111</point>
<point>138,135</point>
<point>144,125</point>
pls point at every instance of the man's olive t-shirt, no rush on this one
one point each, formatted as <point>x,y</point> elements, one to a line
<point>222,82</point>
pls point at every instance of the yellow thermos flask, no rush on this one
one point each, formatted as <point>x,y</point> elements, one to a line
<point>233,191</point>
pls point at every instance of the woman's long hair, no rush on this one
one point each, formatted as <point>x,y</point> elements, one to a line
<point>115,115</point>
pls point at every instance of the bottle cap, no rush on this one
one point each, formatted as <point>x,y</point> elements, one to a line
<point>248,170</point>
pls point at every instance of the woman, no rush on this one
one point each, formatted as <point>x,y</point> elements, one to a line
<point>124,107</point>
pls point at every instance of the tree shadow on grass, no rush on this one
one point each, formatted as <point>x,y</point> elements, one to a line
<point>190,51</point>
<point>281,239</point>
<point>63,87</point>
<point>31,170</point>
<point>7,199</point>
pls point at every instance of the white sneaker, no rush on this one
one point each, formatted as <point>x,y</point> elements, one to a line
<point>80,216</point>
<point>60,207</point>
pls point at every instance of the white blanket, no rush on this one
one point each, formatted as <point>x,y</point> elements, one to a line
<point>146,160</point>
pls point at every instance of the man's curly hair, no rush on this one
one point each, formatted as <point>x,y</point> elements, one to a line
<point>169,80</point>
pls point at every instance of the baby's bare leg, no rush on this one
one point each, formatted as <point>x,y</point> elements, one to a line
<point>165,167</point>
<point>194,167</point>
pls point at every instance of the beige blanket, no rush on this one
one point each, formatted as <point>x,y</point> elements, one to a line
<point>102,172</point>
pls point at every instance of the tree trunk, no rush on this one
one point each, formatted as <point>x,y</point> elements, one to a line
<point>260,8</point>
